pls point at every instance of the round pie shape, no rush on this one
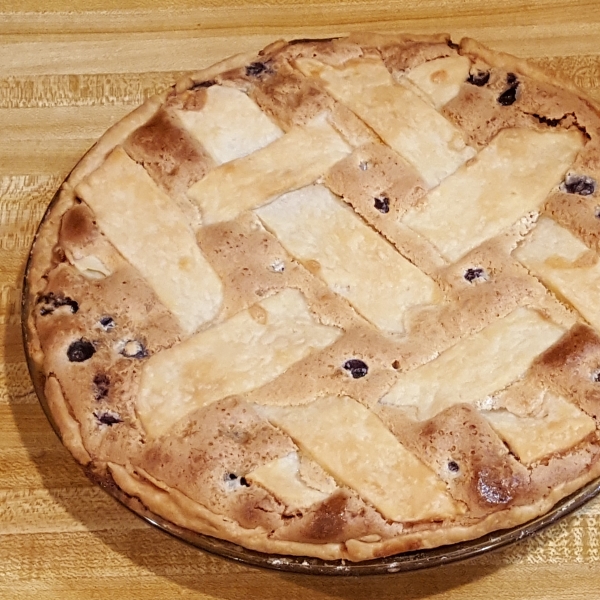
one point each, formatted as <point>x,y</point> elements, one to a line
<point>337,299</point>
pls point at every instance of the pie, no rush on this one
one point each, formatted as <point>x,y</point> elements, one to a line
<point>337,299</point>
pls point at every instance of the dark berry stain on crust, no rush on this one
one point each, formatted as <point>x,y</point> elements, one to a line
<point>80,350</point>
<point>579,184</point>
<point>382,204</point>
<point>509,96</point>
<point>474,273</point>
<point>233,477</point>
<point>101,386</point>
<point>257,68</point>
<point>311,40</point>
<point>53,301</point>
<point>356,367</point>
<point>107,323</point>
<point>108,418</point>
<point>480,78</point>
<point>203,84</point>
<point>547,121</point>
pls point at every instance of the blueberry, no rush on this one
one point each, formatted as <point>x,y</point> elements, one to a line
<point>357,368</point>
<point>382,204</point>
<point>107,323</point>
<point>108,418</point>
<point>231,477</point>
<point>101,386</point>
<point>72,304</point>
<point>511,78</point>
<point>80,350</point>
<point>256,68</point>
<point>595,376</point>
<point>472,274</point>
<point>509,96</point>
<point>134,349</point>
<point>579,184</point>
<point>479,79</point>
<point>453,466</point>
<point>52,301</point>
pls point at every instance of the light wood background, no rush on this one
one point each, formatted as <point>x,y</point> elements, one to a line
<point>70,69</point>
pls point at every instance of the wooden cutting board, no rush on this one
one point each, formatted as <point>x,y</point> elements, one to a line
<point>66,74</point>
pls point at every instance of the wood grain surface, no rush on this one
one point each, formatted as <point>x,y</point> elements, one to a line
<point>67,72</point>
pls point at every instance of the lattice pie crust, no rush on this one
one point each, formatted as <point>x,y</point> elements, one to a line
<point>337,299</point>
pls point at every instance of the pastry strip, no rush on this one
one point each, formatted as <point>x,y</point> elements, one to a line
<point>152,233</point>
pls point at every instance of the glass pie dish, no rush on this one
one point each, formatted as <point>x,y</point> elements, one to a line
<point>221,367</point>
